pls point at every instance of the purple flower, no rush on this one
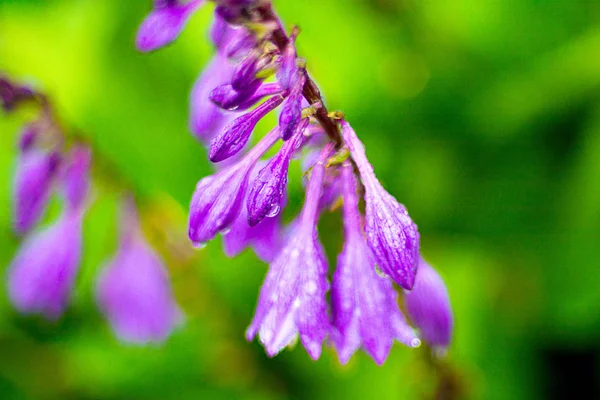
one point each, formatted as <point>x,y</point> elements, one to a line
<point>236,134</point>
<point>205,117</point>
<point>164,23</point>
<point>291,112</point>
<point>41,276</point>
<point>266,193</point>
<point>429,308</point>
<point>365,308</point>
<point>134,291</point>
<point>218,198</point>
<point>35,173</point>
<point>292,299</point>
<point>265,238</point>
<point>391,233</point>
<point>76,179</point>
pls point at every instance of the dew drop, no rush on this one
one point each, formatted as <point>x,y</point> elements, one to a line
<point>273,211</point>
<point>199,245</point>
<point>415,343</point>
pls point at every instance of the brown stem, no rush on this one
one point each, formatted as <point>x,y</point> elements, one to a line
<point>310,91</point>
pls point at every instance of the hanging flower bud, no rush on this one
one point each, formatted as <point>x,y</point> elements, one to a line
<point>226,97</point>
<point>287,74</point>
<point>429,307</point>
<point>76,179</point>
<point>292,300</point>
<point>35,173</point>
<point>205,117</point>
<point>266,193</point>
<point>217,201</point>
<point>265,238</point>
<point>245,71</point>
<point>134,291</point>
<point>291,112</point>
<point>42,274</point>
<point>365,308</point>
<point>164,23</point>
<point>236,134</point>
<point>391,234</point>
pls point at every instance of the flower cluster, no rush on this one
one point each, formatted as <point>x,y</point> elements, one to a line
<point>133,289</point>
<point>255,59</point>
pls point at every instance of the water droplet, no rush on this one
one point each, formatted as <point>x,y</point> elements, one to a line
<point>415,343</point>
<point>199,245</point>
<point>225,231</point>
<point>273,211</point>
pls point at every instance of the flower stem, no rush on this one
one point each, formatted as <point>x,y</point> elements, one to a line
<point>310,91</point>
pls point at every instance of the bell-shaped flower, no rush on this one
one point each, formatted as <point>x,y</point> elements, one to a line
<point>265,238</point>
<point>164,23</point>
<point>391,233</point>
<point>292,300</point>
<point>42,274</point>
<point>428,306</point>
<point>134,291</point>
<point>206,118</point>
<point>76,180</point>
<point>35,172</point>
<point>218,198</point>
<point>291,111</point>
<point>268,189</point>
<point>364,304</point>
<point>236,134</point>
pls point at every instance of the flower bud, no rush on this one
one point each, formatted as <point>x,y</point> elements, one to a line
<point>236,134</point>
<point>267,191</point>
<point>291,112</point>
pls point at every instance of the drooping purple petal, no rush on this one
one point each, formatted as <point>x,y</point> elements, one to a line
<point>218,198</point>
<point>228,98</point>
<point>164,24</point>
<point>134,291</point>
<point>245,71</point>
<point>292,299</point>
<point>42,274</point>
<point>34,175</point>
<point>365,308</point>
<point>428,305</point>
<point>236,134</point>
<point>391,233</point>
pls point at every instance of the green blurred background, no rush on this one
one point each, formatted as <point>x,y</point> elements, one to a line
<point>483,117</point>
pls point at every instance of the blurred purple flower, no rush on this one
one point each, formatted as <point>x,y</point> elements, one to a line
<point>364,305</point>
<point>206,118</point>
<point>292,300</point>
<point>429,307</point>
<point>164,23</point>
<point>34,175</point>
<point>391,233</point>
<point>41,276</point>
<point>134,291</point>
